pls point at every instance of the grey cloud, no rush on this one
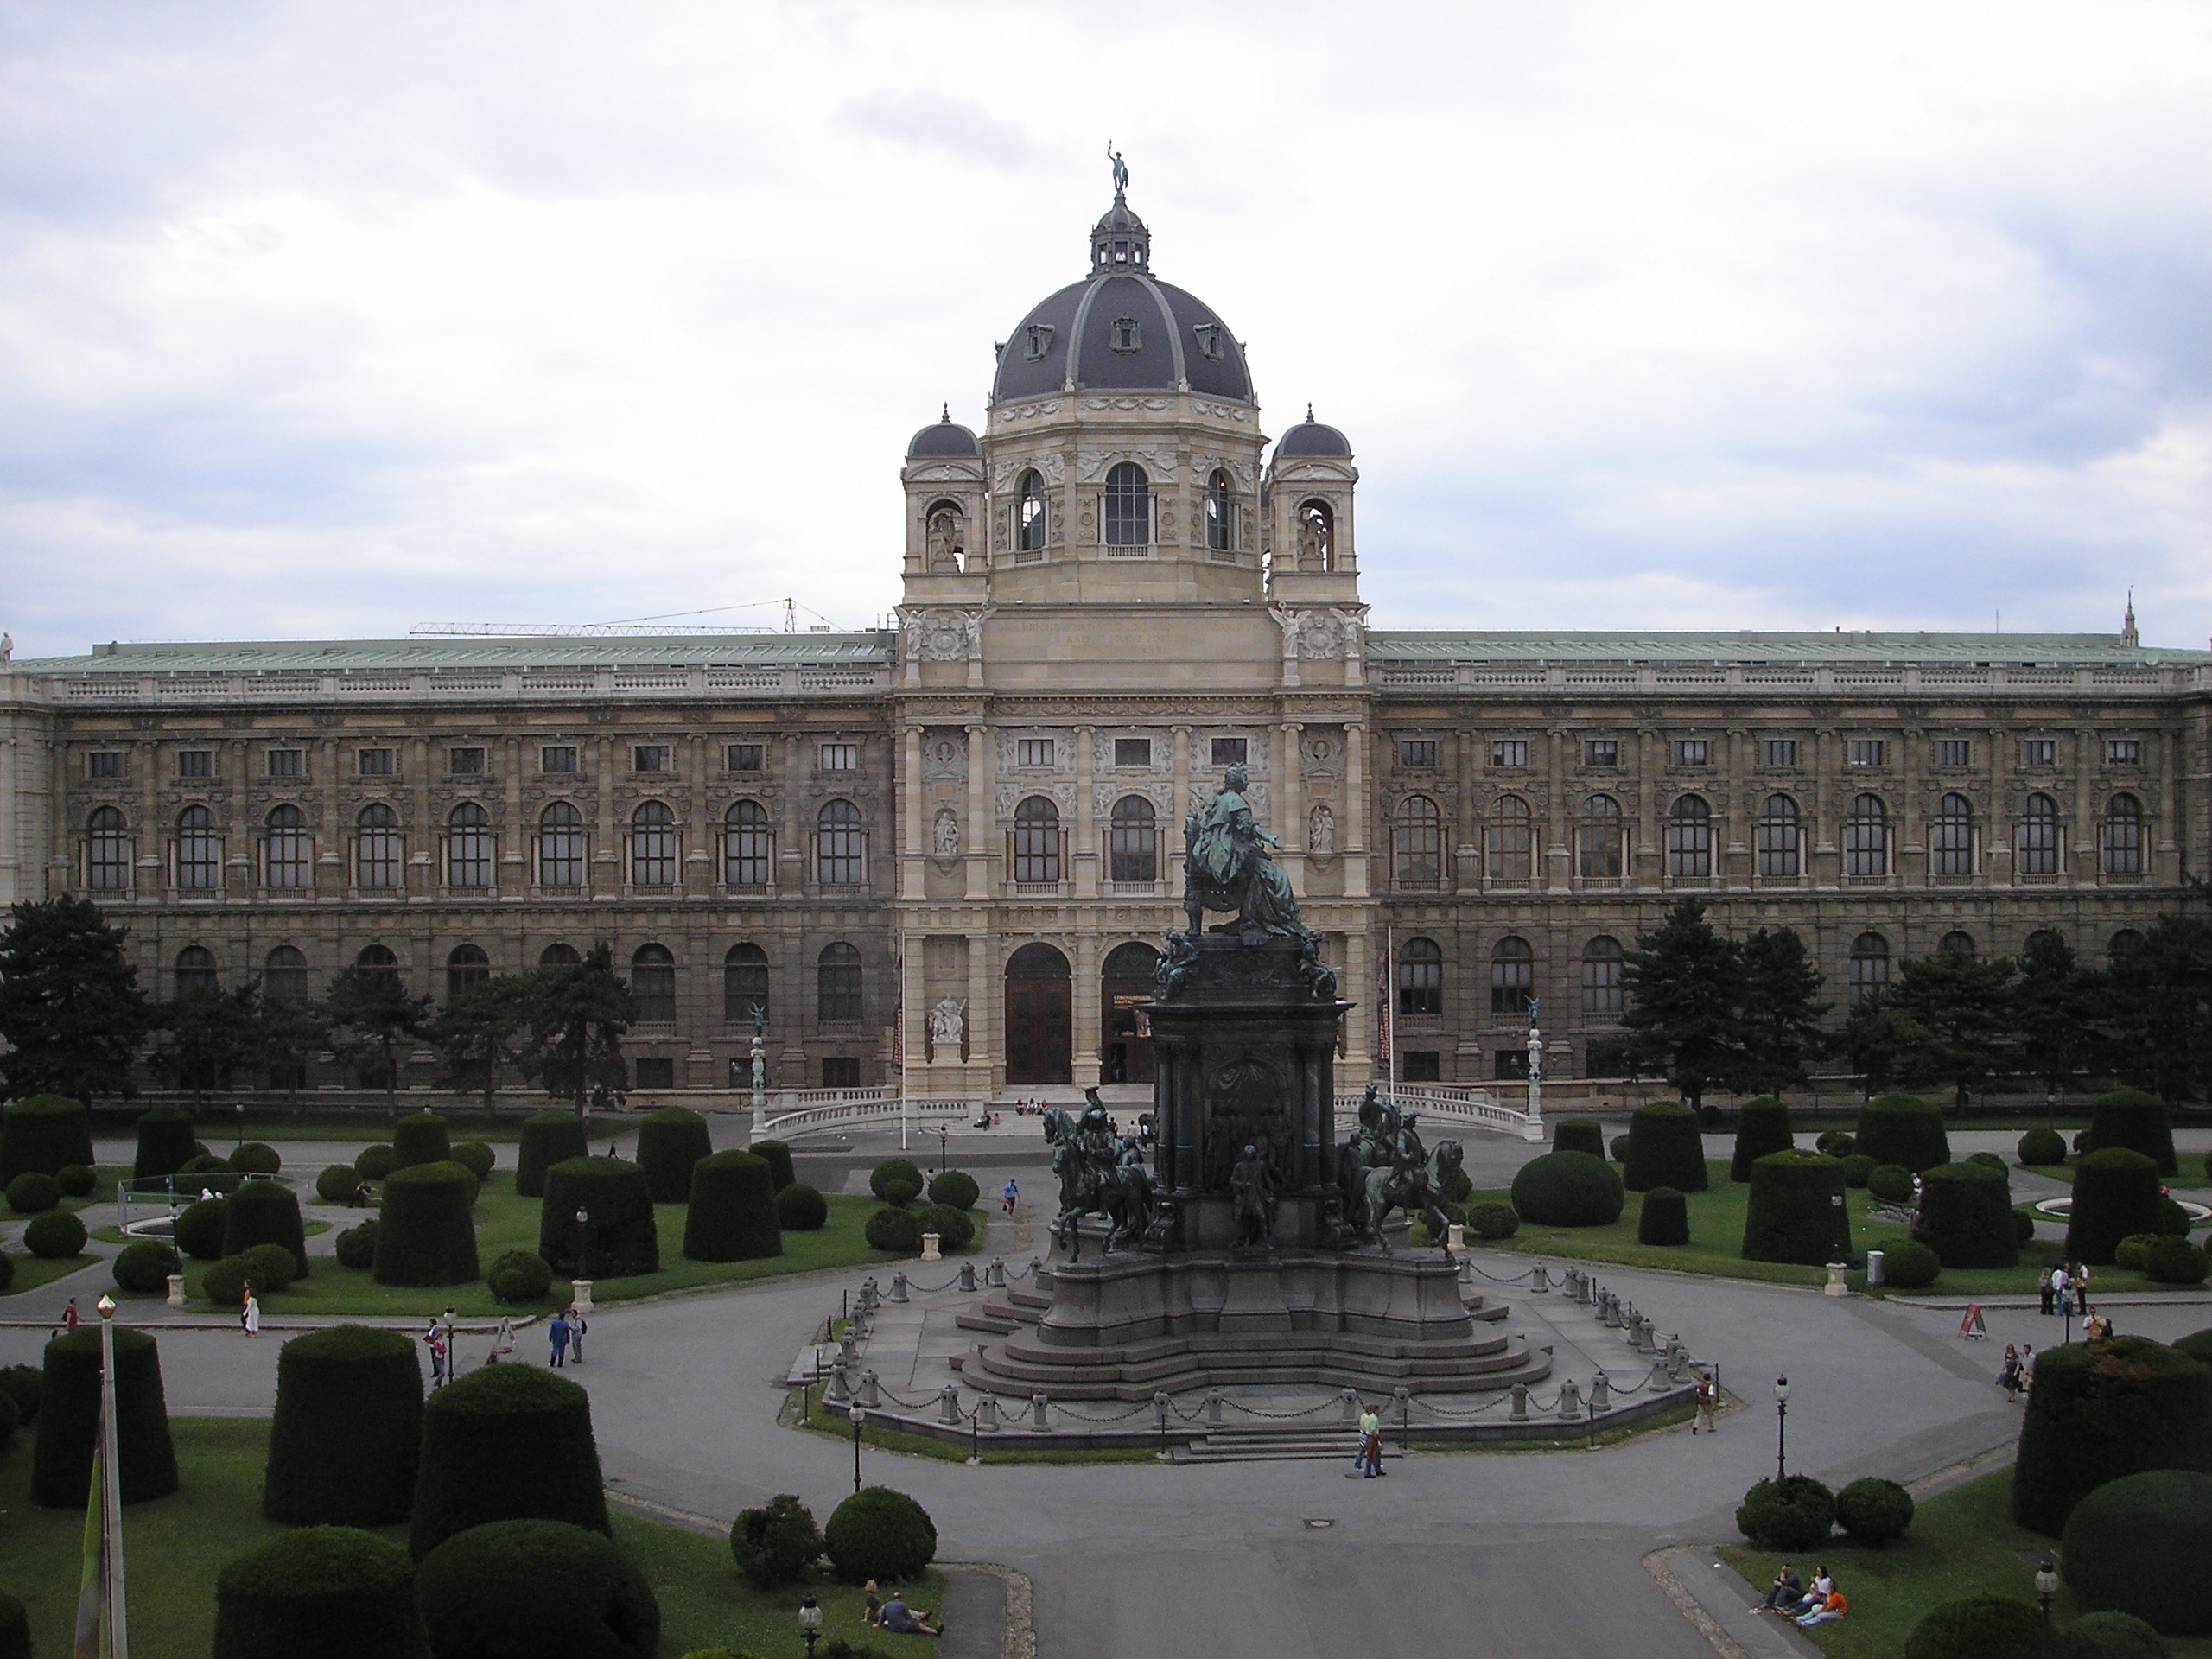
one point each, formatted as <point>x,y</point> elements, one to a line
<point>958,126</point>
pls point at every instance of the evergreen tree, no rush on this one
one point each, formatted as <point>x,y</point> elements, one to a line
<point>1962,1009</point>
<point>574,1015</point>
<point>370,1013</point>
<point>204,1038</point>
<point>1780,1015</point>
<point>288,1035</point>
<point>2162,1008</point>
<point>1879,1039</point>
<point>1685,986</point>
<point>476,1034</point>
<point>71,1011</point>
<point>2057,1008</point>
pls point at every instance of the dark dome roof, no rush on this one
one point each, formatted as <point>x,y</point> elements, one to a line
<point>947,437</point>
<point>1310,437</point>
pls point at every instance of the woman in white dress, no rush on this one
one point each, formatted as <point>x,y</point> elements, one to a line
<point>252,1316</point>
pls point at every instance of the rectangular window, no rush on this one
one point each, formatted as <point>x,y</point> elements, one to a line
<point>2038,751</point>
<point>1033,752</point>
<point>287,763</point>
<point>1778,752</point>
<point>656,1074</point>
<point>104,763</point>
<point>1417,751</point>
<point>374,762</point>
<point>1229,751</point>
<point>1690,751</point>
<point>195,763</point>
<point>841,757</point>
<point>1509,752</point>
<point>1420,1065</point>
<point>649,757</point>
<point>1132,751</point>
<point>748,756</point>
<point>841,1071</point>
<point>1867,751</point>
<point>1601,752</point>
<point>464,762</point>
<point>557,757</point>
<point>2118,752</point>
<point>1953,752</point>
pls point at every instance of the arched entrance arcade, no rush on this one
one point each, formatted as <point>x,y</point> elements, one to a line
<point>1125,1048</point>
<point>1040,1026</point>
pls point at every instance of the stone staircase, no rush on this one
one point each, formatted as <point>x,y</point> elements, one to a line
<point>1335,1443</point>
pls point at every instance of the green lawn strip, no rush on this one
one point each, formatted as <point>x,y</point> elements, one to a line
<point>1963,1543</point>
<point>174,1546</point>
<point>32,1271</point>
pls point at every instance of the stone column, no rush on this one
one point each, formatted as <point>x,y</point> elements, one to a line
<point>2086,867</point>
<point>1089,1002</point>
<point>913,844</point>
<point>238,837</point>
<point>986,1007</point>
<point>422,835</point>
<point>1357,808</point>
<point>1291,808</point>
<point>982,823</point>
<point>330,871</point>
<point>698,832</point>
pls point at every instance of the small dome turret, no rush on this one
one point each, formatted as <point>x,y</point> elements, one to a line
<point>1310,439</point>
<point>947,438</point>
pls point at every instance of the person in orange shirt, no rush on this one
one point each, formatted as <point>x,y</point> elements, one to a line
<point>1827,1613</point>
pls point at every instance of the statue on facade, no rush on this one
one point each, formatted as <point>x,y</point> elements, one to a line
<point>1101,1173</point>
<point>1227,866</point>
<point>944,836</point>
<point>1315,975</point>
<point>948,1023</point>
<point>1121,168</point>
<point>1252,1184</point>
<point>1321,830</point>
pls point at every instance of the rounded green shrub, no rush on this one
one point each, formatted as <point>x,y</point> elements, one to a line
<point>1792,1514</point>
<point>625,1238</point>
<point>21,1383</point>
<point>1666,1148</point>
<point>1910,1266</point>
<point>2042,1148</point>
<point>1891,1183</point>
<point>1616,1149</point>
<point>800,1208</point>
<point>206,1163</point>
<point>348,1429</point>
<point>330,1590</point>
<point>374,1163</point>
<point>896,1232</point>
<point>357,1246</point>
<point>2176,1262</point>
<point>880,1534</point>
<point>536,1586</point>
<point>1966,1216</point>
<point>14,1628</point>
<point>1859,1170</point>
<point>2139,1544</point>
<point>779,1544</point>
<point>670,1142</point>
<point>519,1276</point>
<point>1791,1214</point>
<point>78,1180</point>
<point>2109,1636</point>
<point>2198,1345</point>
<point>421,1138</point>
<point>336,1183</point>
<point>165,1143</point>
<point>731,1216</point>
<point>1977,1627</point>
<point>2173,1220</point>
<point>895,1181</point>
<point>224,1283</point>
<point>1579,1134</point>
<point>44,1133</point>
<point>273,1267</point>
<point>2116,1193</point>
<point>548,1138</point>
<point>1837,1143</point>
<point>1873,1511</point>
<point>2130,1251</point>
<point>955,1229</point>
<point>2102,1410</point>
<point>1988,1161</point>
<point>956,1188</point>
<point>778,1154</point>
<point>265,1212</point>
<point>1762,1125</point>
<point>145,1265</point>
<point>424,1235</point>
<point>507,1442</point>
<point>2138,1121</point>
<point>69,1421</point>
<point>33,1193</point>
<point>1567,1189</point>
<point>2023,1223</point>
<point>1664,1219</point>
<point>55,1236</point>
<point>1904,1129</point>
<point>201,1226</point>
<point>477,1157</point>
<point>1492,1220</point>
<point>257,1158</point>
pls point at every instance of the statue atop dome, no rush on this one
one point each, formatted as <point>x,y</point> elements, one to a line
<point>1121,170</point>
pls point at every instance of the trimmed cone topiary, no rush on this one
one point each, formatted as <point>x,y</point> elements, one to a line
<point>424,1235</point>
<point>800,1208</point>
<point>1874,1511</point>
<point>1664,1219</point>
<point>69,1421</point>
<point>46,1133</point>
<point>1579,1134</point>
<point>548,1138</point>
<point>624,1236</point>
<point>2109,1636</point>
<point>506,1443</point>
<point>1791,1215</point>
<point>14,1628</point>
<point>896,1180</point>
<point>348,1429</point>
<point>2104,1410</point>
<point>1666,1148</point>
<point>2042,1148</point>
<point>880,1534</point>
<point>333,1592</point>
<point>2140,1544</point>
<point>1567,1189</point>
<point>670,1142</point>
<point>894,1231</point>
<point>954,1188</point>
<point>537,1587</point>
<point>419,1138</point>
<point>1792,1514</point>
<point>1977,1627</point>
<point>22,1384</point>
<point>2138,1121</point>
<point>1904,1129</point>
<point>1762,1125</point>
<point>2116,1193</point>
<point>732,1216</point>
<point>1966,1216</point>
<point>778,1154</point>
<point>265,1212</point>
<point>165,1143</point>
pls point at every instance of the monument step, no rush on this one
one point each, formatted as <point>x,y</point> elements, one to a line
<point>988,1371</point>
<point>1309,1445</point>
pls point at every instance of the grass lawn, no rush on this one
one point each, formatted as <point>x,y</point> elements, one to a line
<point>32,1271</point>
<point>174,1546</point>
<point>1963,1543</point>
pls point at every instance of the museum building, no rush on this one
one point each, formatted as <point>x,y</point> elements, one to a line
<point>943,854</point>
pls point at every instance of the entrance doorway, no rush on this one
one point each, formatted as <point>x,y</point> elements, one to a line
<point>1040,1028</point>
<point>1125,1052</point>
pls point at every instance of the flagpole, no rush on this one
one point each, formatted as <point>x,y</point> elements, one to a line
<point>118,1629</point>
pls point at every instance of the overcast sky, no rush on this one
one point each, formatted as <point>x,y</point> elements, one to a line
<point>339,319</point>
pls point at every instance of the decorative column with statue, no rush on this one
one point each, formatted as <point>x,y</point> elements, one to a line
<point>759,1072</point>
<point>1534,1128</point>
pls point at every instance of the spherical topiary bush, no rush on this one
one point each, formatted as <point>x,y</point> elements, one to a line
<point>264,1212</point>
<point>421,1138</point>
<point>78,1180</point>
<point>1793,1514</point>
<point>1791,1215</point>
<point>348,1429</point>
<point>424,1235</point>
<point>880,1534</point>
<point>1579,1134</point>
<point>357,1246</point>
<point>779,1544</point>
<point>1910,1266</point>
<point>1904,1129</point>
<point>2109,1636</point>
<point>622,1237</point>
<point>731,1216</point>
<point>1493,1220</point>
<point>2176,1262</point>
<point>1567,1189</point>
<point>200,1227</point>
<point>145,1266</point>
<point>165,1143</point>
<point>778,1154</point>
<point>1665,1148</point>
<point>2102,1410</point>
<point>477,1157</point>
<point>1664,1219</point>
<point>895,1232</point>
<point>548,1138</point>
<point>257,1158</point>
<point>375,1163</point>
<point>2042,1148</point>
<point>14,1628</point>
<point>33,1193</point>
<point>2130,1251</point>
<point>956,1188</point>
<point>1837,1143</point>
<point>2116,1193</point>
<point>955,1229</point>
<point>670,1142</point>
<point>506,1443</point>
<point>44,1133</point>
<point>1616,1149</point>
<point>1977,1627</point>
<point>800,1208</point>
<point>1891,1183</point>
<point>895,1181</point>
<point>2133,1119</point>
<point>531,1587</point>
<point>2024,1223</point>
<point>69,1421</point>
<point>2173,1220</point>
<point>2139,1544</point>
<point>333,1592</point>
<point>336,1183</point>
<point>519,1276</point>
<point>55,1236</point>
<point>1988,1161</point>
<point>1966,1216</point>
<point>1762,1125</point>
<point>1873,1511</point>
<point>224,1283</point>
<point>1858,1169</point>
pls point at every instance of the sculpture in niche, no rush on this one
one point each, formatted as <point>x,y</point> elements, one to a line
<point>1252,1184</point>
<point>945,536</point>
<point>948,1023</point>
<point>945,838</point>
<point>1245,1109</point>
<point>1321,830</point>
<point>1227,866</point>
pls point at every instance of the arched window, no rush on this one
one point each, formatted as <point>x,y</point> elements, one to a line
<point>748,848</point>
<point>837,991</point>
<point>653,846</point>
<point>1601,974</point>
<point>1135,841</point>
<point>1512,976</point>
<point>1036,840</point>
<point>559,956</point>
<point>1598,835</point>
<point>107,854</point>
<point>1870,968</point>
<point>2039,837</point>
<point>378,847</point>
<point>1866,838</point>
<point>1029,514</point>
<point>2123,836</point>
<point>196,972</point>
<point>561,847</point>
<point>199,851</point>
<point>467,968</point>
<point>2124,943</point>
<point>286,855</point>
<point>1510,842</point>
<point>1220,524</point>
<point>1955,944</point>
<point>744,984</point>
<point>284,975</point>
<point>1780,839</point>
<point>1421,977</point>
<point>652,985</point>
<point>1128,506</point>
<point>1317,537</point>
<point>469,847</point>
<point>1417,843</point>
<point>840,845</point>
<point>1689,840</point>
<point>1950,841</point>
<point>2043,939</point>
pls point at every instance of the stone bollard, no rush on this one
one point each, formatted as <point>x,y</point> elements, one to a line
<point>995,1275</point>
<point>968,1276</point>
<point>1038,1404</point>
<point>1646,1339</point>
<point>987,1414</point>
<point>1037,1274</point>
<point>176,1290</point>
<point>1160,1410</point>
<point>930,1251</point>
<point>849,1346</point>
<point>1660,1383</point>
<point>1455,1236</point>
<point>1520,1413</point>
<point>870,1294</point>
<point>1541,1283</point>
<point>1213,1409</point>
<point>871,1397</point>
<point>1349,1400</point>
<point>1601,1393</point>
<point>948,1406</point>
<point>898,1287</point>
<point>1835,1286</point>
<point>1570,1402</point>
<point>839,1390</point>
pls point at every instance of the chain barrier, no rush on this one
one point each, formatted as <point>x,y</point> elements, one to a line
<point>1426,1404</point>
<point>1281,1416</point>
<point>1499,1279</point>
<point>906,1404</point>
<point>1119,1417</point>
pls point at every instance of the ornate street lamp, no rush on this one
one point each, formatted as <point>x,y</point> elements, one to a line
<point>809,1622</point>
<point>1781,1426</point>
<point>583,1243</point>
<point>857,1415</point>
<point>2046,1588</point>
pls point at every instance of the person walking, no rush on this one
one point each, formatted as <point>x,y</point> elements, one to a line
<point>2009,1378</point>
<point>71,1318</point>
<point>576,1329</point>
<point>1012,1195</point>
<point>1707,1398</point>
<point>2043,1294</point>
<point>431,1340</point>
<point>1371,1442</point>
<point>2027,1368</point>
<point>557,1334</point>
<point>249,1314</point>
<point>2080,1278</point>
<point>2058,1287</point>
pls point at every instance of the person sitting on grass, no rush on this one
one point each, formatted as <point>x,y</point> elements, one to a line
<point>1788,1590</point>
<point>902,1620</point>
<point>1811,1600</point>
<point>1828,1612</point>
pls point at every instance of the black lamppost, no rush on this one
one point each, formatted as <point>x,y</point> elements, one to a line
<point>1781,1426</point>
<point>2046,1588</point>
<point>583,1243</point>
<point>943,1146</point>
<point>809,1622</point>
<point>239,1108</point>
<point>857,1413</point>
<point>1842,1229</point>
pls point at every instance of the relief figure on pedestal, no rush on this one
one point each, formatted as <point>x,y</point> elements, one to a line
<point>1253,1185</point>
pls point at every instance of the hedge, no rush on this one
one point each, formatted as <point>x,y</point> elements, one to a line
<point>2130,1251</point>
<point>7,1270</point>
<point>23,1383</point>
<point>69,1421</point>
<point>333,1592</point>
<point>264,1212</point>
<point>778,1154</point>
<point>424,1235</point>
<point>1665,1148</point>
<point>2102,1410</point>
<point>145,1265</point>
<point>507,1442</point>
<point>348,1429</point>
<point>519,1276</point>
<point>1762,1125</point>
<point>2042,1148</point>
<point>955,1229</point>
<point>1664,1219</point>
<point>548,1138</point>
<point>1966,1216</point>
<point>1793,1514</point>
<point>625,1237</point>
<point>1791,1215</point>
<point>1874,1511</point>
<point>2109,1636</point>
<point>1579,1134</point>
<point>2198,1345</point>
<point>670,1142</point>
<point>2116,1193</point>
<point>2024,1223</point>
<point>1616,1149</point>
<point>421,1138</point>
<point>537,1587</point>
<point>2133,1119</point>
<point>779,1544</point>
<point>894,1231</point>
<point>896,1180</point>
<point>731,1216</point>
<point>78,1180</point>
<point>1910,1266</point>
<point>1978,1627</point>
<point>800,1208</point>
<point>955,1188</point>
<point>14,1628</point>
<point>256,1158</point>
<point>375,1163</point>
<point>1837,1143</point>
<point>477,1157</point>
<point>165,1143</point>
<point>2176,1262</point>
<point>1858,1168</point>
<point>267,1267</point>
<point>1891,1183</point>
<point>1904,1129</point>
<point>1492,1220</point>
<point>880,1534</point>
<point>1567,1189</point>
<point>336,1183</point>
<point>2139,1544</point>
<point>44,1133</point>
<point>55,1237</point>
<point>357,1246</point>
<point>33,1193</point>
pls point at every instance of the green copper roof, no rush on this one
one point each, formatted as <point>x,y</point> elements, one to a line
<point>571,654</point>
<point>1781,650</point>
